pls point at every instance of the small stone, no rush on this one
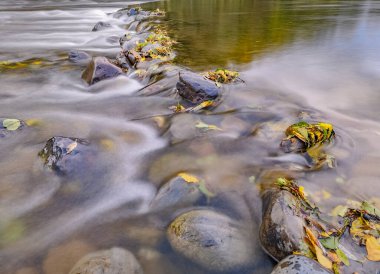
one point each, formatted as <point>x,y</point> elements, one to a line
<point>100,68</point>
<point>101,26</point>
<point>78,56</point>
<point>195,88</point>
<point>212,240</point>
<point>113,261</point>
<point>296,264</point>
<point>281,231</point>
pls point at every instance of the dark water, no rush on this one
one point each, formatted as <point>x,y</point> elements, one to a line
<point>316,60</point>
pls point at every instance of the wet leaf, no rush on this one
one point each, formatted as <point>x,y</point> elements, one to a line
<point>12,232</point>
<point>371,209</point>
<point>71,147</point>
<point>373,249</point>
<point>107,144</point>
<point>322,259</point>
<point>205,126</point>
<point>11,124</point>
<point>204,190</point>
<point>33,122</point>
<point>339,210</point>
<point>342,256</point>
<point>330,242</point>
<point>188,177</point>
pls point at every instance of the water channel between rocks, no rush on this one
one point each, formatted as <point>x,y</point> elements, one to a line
<point>299,60</point>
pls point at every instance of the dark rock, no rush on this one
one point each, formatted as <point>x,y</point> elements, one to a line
<point>212,240</point>
<point>78,56</point>
<point>99,69</point>
<point>133,11</point>
<point>67,155</point>
<point>177,192</point>
<point>122,60</point>
<point>10,126</point>
<point>113,261</point>
<point>195,89</point>
<point>101,26</point>
<point>292,145</point>
<point>281,231</point>
<point>295,264</point>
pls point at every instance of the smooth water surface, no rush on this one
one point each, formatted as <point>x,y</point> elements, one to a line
<point>315,60</point>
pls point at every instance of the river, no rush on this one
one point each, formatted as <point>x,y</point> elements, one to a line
<point>316,60</point>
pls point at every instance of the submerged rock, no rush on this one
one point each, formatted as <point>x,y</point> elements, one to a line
<point>101,26</point>
<point>78,56</point>
<point>67,155</point>
<point>212,240</point>
<point>9,126</point>
<point>113,261</point>
<point>195,88</point>
<point>295,264</point>
<point>100,68</point>
<point>281,231</point>
<point>176,192</point>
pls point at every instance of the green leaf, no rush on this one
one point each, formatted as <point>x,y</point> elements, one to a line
<point>342,257</point>
<point>330,242</point>
<point>371,209</point>
<point>202,187</point>
<point>304,133</point>
<point>11,124</point>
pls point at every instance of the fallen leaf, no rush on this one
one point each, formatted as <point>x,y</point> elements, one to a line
<point>107,144</point>
<point>339,210</point>
<point>330,242</point>
<point>204,190</point>
<point>205,126</point>
<point>373,249</point>
<point>71,147</point>
<point>322,259</point>
<point>188,177</point>
<point>11,124</point>
<point>371,209</point>
<point>342,256</point>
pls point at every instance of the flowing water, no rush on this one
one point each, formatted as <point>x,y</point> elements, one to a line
<point>315,60</point>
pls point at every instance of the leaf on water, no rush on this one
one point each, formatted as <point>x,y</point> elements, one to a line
<point>33,122</point>
<point>339,210</point>
<point>205,126</point>
<point>252,179</point>
<point>12,232</point>
<point>204,190</point>
<point>107,144</point>
<point>188,177</point>
<point>371,209</point>
<point>11,124</point>
<point>71,147</point>
<point>330,242</point>
<point>303,132</point>
<point>322,259</point>
<point>342,256</point>
<point>373,249</point>
<point>326,194</point>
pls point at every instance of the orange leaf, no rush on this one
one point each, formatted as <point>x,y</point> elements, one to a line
<point>322,259</point>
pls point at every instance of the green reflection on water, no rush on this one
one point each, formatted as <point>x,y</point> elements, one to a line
<point>214,33</point>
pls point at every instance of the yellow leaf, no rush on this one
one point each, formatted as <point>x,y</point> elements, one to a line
<point>205,126</point>
<point>326,194</point>
<point>322,259</point>
<point>107,144</point>
<point>373,249</point>
<point>71,147</point>
<point>188,177</point>
<point>33,122</point>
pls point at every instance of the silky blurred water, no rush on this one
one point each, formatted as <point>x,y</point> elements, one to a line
<point>315,60</point>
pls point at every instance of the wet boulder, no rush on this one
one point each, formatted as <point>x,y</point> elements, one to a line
<point>212,240</point>
<point>78,56</point>
<point>296,264</point>
<point>195,88</point>
<point>113,261</point>
<point>9,126</point>
<point>101,26</point>
<point>281,231</point>
<point>176,192</point>
<point>100,68</point>
<point>67,155</point>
